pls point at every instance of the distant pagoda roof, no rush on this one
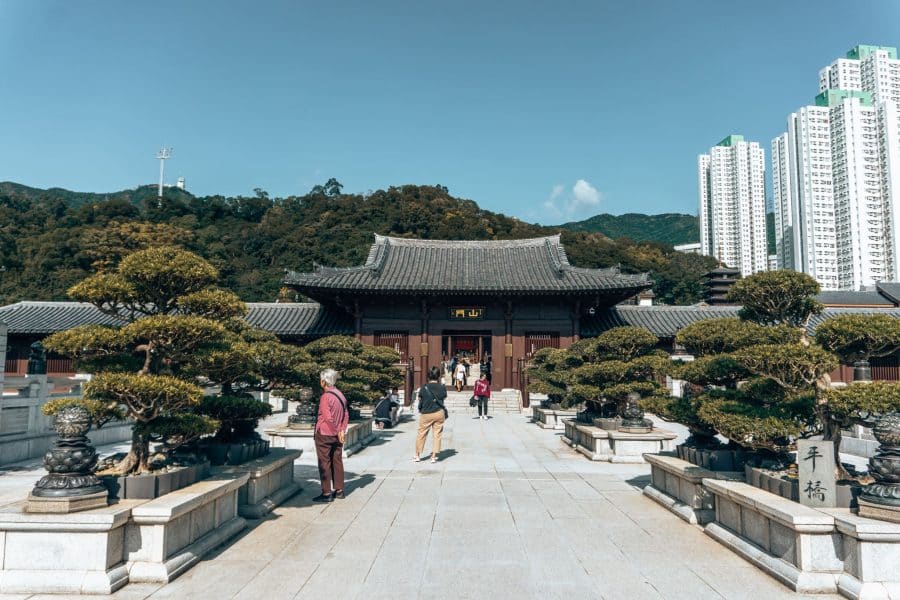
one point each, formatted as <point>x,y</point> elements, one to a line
<point>536,266</point>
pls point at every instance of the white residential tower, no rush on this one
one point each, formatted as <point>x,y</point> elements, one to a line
<point>733,204</point>
<point>836,175</point>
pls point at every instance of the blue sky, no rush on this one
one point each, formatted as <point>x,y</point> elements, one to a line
<point>548,111</point>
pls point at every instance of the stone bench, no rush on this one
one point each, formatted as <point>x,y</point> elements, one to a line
<point>548,418</point>
<point>168,535</point>
<point>615,446</point>
<point>271,481</point>
<point>796,544</point>
<point>76,553</point>
<point>678,485</point>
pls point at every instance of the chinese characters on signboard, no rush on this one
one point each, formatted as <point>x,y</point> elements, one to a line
<point>466,313</point>
<point>816,470</point>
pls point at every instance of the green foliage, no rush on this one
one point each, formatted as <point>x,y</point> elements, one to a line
<point>230,411</point>
<point>56,238</point>
<point>366,372</point>
<point>717,369</point>
<point>177,331</point>
<point>101,412</point>
<point>668,228</point>
<point>777,297</point>
<point>795,367</point>
<point>602,370</point>
<point>756,425</point>
<point>860,403</point>
<point>716,336</point>
<point>212,304</point>
<point>859,337</point>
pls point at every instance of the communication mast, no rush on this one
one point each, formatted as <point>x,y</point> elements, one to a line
<point>162,155</point>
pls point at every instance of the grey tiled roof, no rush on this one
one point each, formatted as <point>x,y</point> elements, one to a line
<point>890,290</point>
<point>288,320</point>
<point>41,318</point>
<point>530,266</point>
<point>665,321</point>
<point>299,319</point>
<point>661,321</point>
<point>838,298</point>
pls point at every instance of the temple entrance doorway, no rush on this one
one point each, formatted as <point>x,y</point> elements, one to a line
<point>473,347</point>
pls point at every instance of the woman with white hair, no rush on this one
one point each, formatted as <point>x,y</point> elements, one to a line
<point>331,430</point>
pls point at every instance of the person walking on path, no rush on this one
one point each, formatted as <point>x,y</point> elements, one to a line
<point>460,376</point>
<point>433,414</point>
<point>482,394</point>
<point>331,431</point>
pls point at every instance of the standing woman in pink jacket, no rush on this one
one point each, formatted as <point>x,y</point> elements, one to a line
<point>482,393</point>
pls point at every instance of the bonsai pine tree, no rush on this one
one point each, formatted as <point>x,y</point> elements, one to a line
<point>616,363</point>
<point>856,339</point>
<point>549,373</point>
<point>148,368</point>
<point>366,372</point>
<point>715,373</point>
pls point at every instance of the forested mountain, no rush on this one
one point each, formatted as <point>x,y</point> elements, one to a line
<point>50,239</point>
<point>667,228</point>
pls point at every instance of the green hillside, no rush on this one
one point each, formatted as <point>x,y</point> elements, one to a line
<point>50,239</point>
<point>668,228</point>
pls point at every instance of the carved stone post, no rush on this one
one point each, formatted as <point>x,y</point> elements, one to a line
<point>71,484</point>
<point>881,499</point>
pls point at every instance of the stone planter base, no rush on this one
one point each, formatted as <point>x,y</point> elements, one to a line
<point>548,418</point>
<point>871,556</point>
<point>167,536</point>
<point>359,435</point>
<point>678,485</point>
<point>796,544</point>
<point>147,487</point>
<point>713,459</point>
<point>77,553</point>
<point>271,482</point>
<point>615,446</point>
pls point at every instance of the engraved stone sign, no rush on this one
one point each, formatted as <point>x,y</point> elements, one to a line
<point>816,469</point>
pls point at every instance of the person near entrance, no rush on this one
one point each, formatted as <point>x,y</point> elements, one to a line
<point>433,414</point>
<point>459,378</point>
<point>482,394</point>
<point>331,431</point>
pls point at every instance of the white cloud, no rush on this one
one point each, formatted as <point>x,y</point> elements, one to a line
<point>582,200</point>
<point>584,195</point>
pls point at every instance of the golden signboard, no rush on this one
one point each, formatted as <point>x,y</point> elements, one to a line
<point>466,313</point>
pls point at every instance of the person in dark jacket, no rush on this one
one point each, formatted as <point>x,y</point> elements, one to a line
<point>386,410</point>
<point>433,414</point>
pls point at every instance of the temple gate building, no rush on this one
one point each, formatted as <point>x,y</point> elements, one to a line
<point>430,299</point>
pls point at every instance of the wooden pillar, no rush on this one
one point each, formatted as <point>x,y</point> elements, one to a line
<point>357,319</point>
<point>576,322</point>
<point>508,347</point>
<point>423,345</point>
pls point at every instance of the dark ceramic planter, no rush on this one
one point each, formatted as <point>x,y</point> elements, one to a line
<point>166,482</point>
<point>141,487</point>
<point>217,453</point>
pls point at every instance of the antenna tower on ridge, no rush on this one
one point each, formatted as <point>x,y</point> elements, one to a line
<point>162,155</point>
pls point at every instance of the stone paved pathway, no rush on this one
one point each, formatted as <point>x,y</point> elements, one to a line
<point>508,512</point>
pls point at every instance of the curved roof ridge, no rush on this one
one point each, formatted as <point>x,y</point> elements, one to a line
<point>431,243</point>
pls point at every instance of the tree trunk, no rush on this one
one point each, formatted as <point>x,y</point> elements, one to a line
<point>137,460</point>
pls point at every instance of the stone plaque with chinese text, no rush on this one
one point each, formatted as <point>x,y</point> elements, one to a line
<point>816,469</point>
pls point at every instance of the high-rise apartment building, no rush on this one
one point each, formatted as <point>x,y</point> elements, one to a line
<point>733,204</point>
<point>836,175</point>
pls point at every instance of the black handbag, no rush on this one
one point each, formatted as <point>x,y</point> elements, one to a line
<point>473,401</point>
